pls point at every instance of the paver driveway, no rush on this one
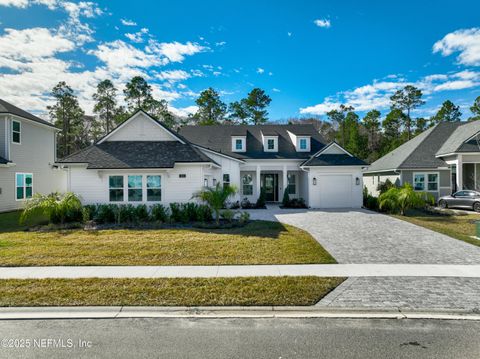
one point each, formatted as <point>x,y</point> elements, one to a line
<point>362,236</point>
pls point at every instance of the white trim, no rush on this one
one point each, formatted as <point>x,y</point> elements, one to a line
<point>23,186</point>
<point>265,143</point>
<point>309,143</point>
<point>234,143</point>
<point>330,145</point>
<point>33,122</point>
<point>217,153</point>
<point>457,154</point>
<point>132,118</point>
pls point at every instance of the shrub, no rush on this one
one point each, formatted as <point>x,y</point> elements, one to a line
<point>234,205</point>
<point>385,186</point>
<point>204,213</point>
<point>297,203</point>
<point>160,213</point>
<point>261,199</point>
<point>178,213</point>
<point>228,215</point>
<point>401,199</point>
<point>371,202</point>
<point>58,208</point>
<point>286,198</point>
<point>246,204</point>
<point>216,197</point>
<point>244,217</point>
<point>91,210</point>
<point>141,213</point>
<point>105,213</point>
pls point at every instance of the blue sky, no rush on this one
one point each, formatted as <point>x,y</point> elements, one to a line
<point>309,56</point>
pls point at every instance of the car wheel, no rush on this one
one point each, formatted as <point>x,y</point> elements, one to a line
<point>443,204</point>
<point>476,206</point>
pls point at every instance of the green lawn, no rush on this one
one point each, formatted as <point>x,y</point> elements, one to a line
<point>166,292</point>
<point>259,242</point>
<point>459,227</point>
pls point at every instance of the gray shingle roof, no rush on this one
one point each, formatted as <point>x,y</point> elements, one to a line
<point>3,161</point>
<point>328,159</point>
<point>6,107</point>
<point>456,142</point>
<point>419,152</point>
<point>137,154</point>
<point>218,138</point>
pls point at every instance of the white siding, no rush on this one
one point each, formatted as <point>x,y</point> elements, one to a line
<point>35,155</point>
<point>371,181</point>
<point>141,128</point>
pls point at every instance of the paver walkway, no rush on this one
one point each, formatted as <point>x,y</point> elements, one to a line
<point>362,236</point>
<point>321,270</point>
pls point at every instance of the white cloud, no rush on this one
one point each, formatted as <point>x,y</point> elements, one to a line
<point>14,3</point>
<point>275,89</point>
<point>126,22</point>
<point>323,23</point>
<point>184,111</point>
<point>260,70</point>
<point>221,43</point>
<point>137,37</point>
<point>289,34</point>
<point>456,85</point>
<point>173,75</point>
<point>174,51</point>
<point>465,41</point>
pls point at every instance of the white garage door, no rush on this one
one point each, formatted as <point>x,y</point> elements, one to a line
<point>334,191</point>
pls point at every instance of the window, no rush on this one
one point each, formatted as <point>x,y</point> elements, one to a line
<point>247,185</point>
<point>271,144</point>
<point>238,144</point>
<point>226,179</point>
<point>134,188</point>
<point>16,132</point>
<point>292,184</point>
<point>425,182</point>
<point>115,184</point>
<point>432,184</point>
<point>303,144</point>
<point>23,185</point>
<point>182,175</point>
<point>154,188</point>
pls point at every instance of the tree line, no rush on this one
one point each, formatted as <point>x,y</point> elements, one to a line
<point>368,138</point>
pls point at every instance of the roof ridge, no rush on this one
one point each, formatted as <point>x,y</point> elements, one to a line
<point>431,129</point>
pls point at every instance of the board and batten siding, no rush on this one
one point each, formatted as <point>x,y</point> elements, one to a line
<point>141,128</point>
<point>35,154</point>
<point>92,185</point>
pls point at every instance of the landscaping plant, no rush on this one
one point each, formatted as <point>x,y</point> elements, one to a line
<point>58,208</point>
<point>261,201</point>
<point>401,199</point>
<point>216,198</point>
<point>286,198</point>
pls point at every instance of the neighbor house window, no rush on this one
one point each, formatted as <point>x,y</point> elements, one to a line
<point>134,188</point>
<point>115,184</point>
<point>238,144</point>
<point>154,188</point>
<point>16,132</point>
<point>247,185</point>
<point>423,181</point>
<point>292,185</point>
<point>226,179</point>
<point>23,185</point>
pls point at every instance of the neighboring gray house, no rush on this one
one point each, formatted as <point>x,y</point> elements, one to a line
<point>27,157</point>
<point>441,160</point>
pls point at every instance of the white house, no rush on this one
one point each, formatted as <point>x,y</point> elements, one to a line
<point>27,157</point>
<point>142,161</point>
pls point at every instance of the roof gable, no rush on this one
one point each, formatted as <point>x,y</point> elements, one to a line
<point>8,108</point>
<point>141,127</point>
<point>460,139</point>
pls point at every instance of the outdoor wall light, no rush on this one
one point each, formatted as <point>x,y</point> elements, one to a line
<point>357,181</point>
<point>314,181</point>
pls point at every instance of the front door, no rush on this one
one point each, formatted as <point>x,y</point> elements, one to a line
<point>270,186</point>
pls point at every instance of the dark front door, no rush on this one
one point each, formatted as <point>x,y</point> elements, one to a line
<point>270,186</point>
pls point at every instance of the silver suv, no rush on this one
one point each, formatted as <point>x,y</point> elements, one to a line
<point>461,199</point>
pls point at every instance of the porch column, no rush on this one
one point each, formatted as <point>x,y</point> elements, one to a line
<point>285,182</point>
<point>459,172</point>
<point>258,181</point>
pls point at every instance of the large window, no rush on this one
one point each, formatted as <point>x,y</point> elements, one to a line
<point>135,189</point>
<point>115,184</point>
<point>16,132</point>
<point>154,188</point>
<point>247,185</point>
<point>292,184</point>
<point>425,182</point>
<point>23,185</point>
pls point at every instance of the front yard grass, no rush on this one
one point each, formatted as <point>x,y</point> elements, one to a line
<point>259,242</point>
<point>459,226</point>
<point>166,292</point>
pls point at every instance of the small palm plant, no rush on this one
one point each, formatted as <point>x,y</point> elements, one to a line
<point>401,199</point>
<point>216,197</point>
<point>55,206</point>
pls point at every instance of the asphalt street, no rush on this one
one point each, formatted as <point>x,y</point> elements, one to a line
<point>240,338</point>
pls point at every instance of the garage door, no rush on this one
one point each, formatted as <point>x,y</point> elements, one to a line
<point>334,191</point>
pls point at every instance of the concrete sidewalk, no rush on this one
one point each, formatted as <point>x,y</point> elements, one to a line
<point>321,270</point>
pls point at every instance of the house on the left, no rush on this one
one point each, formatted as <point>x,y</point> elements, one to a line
<point>27,157</point>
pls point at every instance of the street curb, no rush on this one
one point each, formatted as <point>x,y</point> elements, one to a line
<point>29,313</point>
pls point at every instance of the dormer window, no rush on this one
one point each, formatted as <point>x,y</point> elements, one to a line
<point>16,132</point>
<point>270,144</point>
<point>303,144</point>
<point>238,144</point>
